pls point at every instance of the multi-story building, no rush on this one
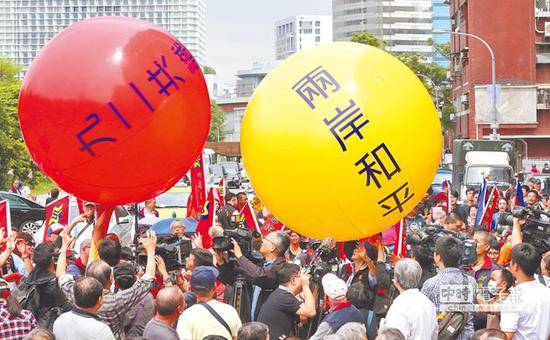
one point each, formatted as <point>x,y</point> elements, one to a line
<point>248,80</point>
<point>298,32</point>
<point>520,39</point>
<point>234,112</point>
<point>26,25</point>
<point>405,25</point>
<point>441,21</point>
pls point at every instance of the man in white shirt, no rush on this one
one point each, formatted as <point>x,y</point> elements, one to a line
<point>82,227</point>
<point>411,312</point>
<point>528,316</point>
<point>82,322</point>
<point>208,316</point>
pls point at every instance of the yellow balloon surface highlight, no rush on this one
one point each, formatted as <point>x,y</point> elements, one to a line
<point>341,140</point>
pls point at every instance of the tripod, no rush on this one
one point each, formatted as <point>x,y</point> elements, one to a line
<point>320,309</point>
<point>237,296</point>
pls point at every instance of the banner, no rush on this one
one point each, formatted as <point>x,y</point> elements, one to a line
<point>249,218</point>
<point>5,220</point>
<point>519,194</point>
<point>57,212</point>
<point>490,209</point>
<point>198,189</point>
<point>481,202</point>
<point>206,219</point>
<point>271,224</point>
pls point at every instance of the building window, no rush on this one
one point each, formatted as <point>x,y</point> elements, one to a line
<point>317,23</point>
<point>317,31</point>
<point>317,39</point>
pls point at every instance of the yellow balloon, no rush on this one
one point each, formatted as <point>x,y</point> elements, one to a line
<point>341,140</point>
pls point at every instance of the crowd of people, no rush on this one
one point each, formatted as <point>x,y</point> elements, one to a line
<point>284,286</point>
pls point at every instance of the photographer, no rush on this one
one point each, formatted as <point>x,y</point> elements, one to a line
<point>261,280</point>
<point>280,310</point>
<point>447,255</point>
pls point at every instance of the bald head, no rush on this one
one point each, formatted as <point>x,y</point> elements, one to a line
<point>168,300</point>
<point>100,271</point>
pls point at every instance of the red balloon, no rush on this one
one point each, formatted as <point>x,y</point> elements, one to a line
<point>115,110</point>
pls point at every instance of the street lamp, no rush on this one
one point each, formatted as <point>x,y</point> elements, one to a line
<point>494,111</point>
<point>430,80</point>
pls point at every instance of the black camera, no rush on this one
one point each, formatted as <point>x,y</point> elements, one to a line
<point>171,248</point>
<point>428,236</point>
<point>535,231</point>
<point>246,239</point>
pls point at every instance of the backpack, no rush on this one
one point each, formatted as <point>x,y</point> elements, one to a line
<point>451,325</point>
<point>453,322</point>
<point>28,297</point>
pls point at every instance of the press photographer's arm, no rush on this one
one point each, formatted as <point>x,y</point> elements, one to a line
<point>516,231</point>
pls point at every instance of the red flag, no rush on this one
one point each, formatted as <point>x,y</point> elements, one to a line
<point>5,220</point>
<point>56,212</point>
<point>206,219</point>
<point>490,209</point>
<point>190,211</point>
<point>249,219</point>
<point>271,224</point>
<point>198,188</point>
<point>221,193</point>
<point>400,247</point>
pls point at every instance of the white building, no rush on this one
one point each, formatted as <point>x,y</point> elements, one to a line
<point>405,25</point>
<point>26,25</point>
<point>298,32</point>
<point>216,87</point>
<point>249,79</point>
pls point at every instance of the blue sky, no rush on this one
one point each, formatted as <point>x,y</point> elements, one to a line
<point>240,32</point>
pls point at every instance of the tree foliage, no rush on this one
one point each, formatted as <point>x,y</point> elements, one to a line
<point>420,66</point>
<point>14,156</point>
<point>216,122</point>
<point>208,70</point>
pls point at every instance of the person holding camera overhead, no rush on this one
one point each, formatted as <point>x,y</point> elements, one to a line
<point>260,280</point>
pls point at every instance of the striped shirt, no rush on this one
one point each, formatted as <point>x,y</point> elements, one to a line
<point>452,276</point>
<point>116,305</point>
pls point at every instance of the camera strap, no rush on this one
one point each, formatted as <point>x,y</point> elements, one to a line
<point>217,317</point>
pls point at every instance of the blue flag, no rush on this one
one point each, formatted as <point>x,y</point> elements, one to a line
<point>481,201</point>
<point>519,194</point>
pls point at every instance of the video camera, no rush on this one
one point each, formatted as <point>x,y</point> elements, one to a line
<point>245,239</point>
<point>171,248</point>
<point>428,236</point>
<point>535,231</point>
<point>324,261</point>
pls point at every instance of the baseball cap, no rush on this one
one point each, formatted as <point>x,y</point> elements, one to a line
<point>334,287</point>
<point>535,180</point>
<point>204,278</point>
<point>88,203</point>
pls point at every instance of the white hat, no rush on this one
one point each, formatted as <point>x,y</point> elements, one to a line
<point>334,287</point>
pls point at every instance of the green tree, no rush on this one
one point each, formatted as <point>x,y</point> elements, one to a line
<point>208,70</point>
<point>420,66</point>
<point>368,39</point>
<point>14,156</point>
<point>216,122</point>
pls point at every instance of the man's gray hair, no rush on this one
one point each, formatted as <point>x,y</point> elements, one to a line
<point>174,222</point>
<point>390,334</point>
<point>253,331</point>
<point>281,240</point>
<point>408,273</point>
<point>353,331</point>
